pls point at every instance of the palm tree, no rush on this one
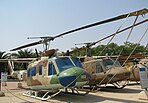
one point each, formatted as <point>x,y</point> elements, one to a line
<point>4,55</point>
<point>23,54</point>
<point>3,66</point>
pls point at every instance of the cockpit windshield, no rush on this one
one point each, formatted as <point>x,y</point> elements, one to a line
<point>77,62</point>
<point>63,63</point>
<point>108,63</point>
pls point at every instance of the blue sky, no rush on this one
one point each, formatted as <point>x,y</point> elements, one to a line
<point>20,19</point>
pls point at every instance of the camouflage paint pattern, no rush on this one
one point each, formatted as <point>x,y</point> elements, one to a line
<point>132,67</point>
<point>97,76</point>
<point>45,81</point>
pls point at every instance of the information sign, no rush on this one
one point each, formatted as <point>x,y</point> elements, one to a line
<point>143,78</point>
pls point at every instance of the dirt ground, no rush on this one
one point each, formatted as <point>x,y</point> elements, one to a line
<point>129,94</point>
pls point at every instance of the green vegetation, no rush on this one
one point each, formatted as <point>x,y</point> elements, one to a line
<point>4,55</point>
<point>4,66</point>
<point>23,54</point>
<point>114,49</point>
<point>20,54</point>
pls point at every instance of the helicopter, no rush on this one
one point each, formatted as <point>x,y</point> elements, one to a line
<point>106,70</point>
<point>133,67</point>
<point>144,62</point>
<point>53,73</point>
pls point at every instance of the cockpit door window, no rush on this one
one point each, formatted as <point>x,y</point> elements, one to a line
<point>98,68</point>
<point>51,69</point>
<point>77,62</point>
<point>33,71</point>
<point>28,72</point>
<point>64,63</point>
<point>40,69</point>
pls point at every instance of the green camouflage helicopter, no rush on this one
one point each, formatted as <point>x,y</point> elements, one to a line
<point>53,73</point>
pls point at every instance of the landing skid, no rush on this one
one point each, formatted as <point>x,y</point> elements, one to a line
<point>76,91</point>
<point>120,85</point>
<point>47,95</point>
<point>92,88</point>
<point>37,95</point>
<point>138,82</point>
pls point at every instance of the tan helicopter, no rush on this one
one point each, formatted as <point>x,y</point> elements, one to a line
<point>144,62</point>
<point>133,68</point>
<point>104,71</point>
<point>53,73</point>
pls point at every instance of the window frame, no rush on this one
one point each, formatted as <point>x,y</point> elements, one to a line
<point>77,62</point>
<point>40,69</point>
<point>51,71</point>
<point>28,72</point>
<point>98,68</point>
<point>33,71</point>
<point>60,62</point>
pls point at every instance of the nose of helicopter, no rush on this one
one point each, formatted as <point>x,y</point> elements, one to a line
<point>67,81</point>
<point>72,76</point>
<point>119,73</point>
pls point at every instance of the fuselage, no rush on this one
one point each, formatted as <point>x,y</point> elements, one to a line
<point>55,73</point>
<point>105,71</point>
<point>133,67</point>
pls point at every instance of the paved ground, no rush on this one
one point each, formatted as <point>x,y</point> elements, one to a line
<point>105,95</point>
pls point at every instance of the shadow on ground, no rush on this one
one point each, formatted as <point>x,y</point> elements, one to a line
<point>90,98</point>
<point>124,90</point>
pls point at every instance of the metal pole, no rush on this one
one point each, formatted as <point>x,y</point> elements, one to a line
<point>0,86</point>
<point>1,81</point>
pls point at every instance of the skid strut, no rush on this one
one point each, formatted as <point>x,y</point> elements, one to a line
<point>36,95</point>
<point>76,91</point>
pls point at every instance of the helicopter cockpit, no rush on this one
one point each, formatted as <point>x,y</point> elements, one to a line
<point>66,62</point>
<point>77,62</point>
<point>108,63</point>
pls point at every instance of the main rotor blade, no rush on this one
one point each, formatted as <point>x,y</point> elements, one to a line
<point>139,12</point>
<point>119,32</point>
<point>42,37</point>
<point>136,13</point>
<point>83,48</point>
<point>27,45</point>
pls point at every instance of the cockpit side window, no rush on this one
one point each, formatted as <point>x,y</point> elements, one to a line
<point>64,63</point>
<point>40,69</point>
<point>33,71</point>
<point>51,69</point>
<point>117,63</point>
<point>98,68</point>
<point>28,72</point>
<point>77,62</point>
<point>108,63</point>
